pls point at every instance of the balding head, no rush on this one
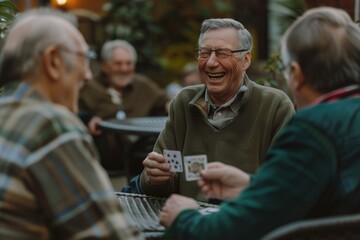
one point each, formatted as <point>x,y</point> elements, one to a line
<point>325,42</point>
<point>30,34</point>
<point>45,50</point>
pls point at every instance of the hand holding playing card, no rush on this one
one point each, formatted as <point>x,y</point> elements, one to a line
<point>222,181</point>
<point>194,165</point>
<point>156,169</point>
<point>174,159</point>
<point>173,206</point>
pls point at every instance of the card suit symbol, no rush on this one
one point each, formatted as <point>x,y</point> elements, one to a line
<point>174,156</point>
<point>172,160</point>
<point>168,155</point>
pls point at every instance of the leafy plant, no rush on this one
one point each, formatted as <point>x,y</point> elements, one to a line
<point>7,13</point>
<point>285,12</point>
<point>133,21</point>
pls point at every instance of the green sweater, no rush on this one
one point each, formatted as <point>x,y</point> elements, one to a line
<point>312,170</point>
<point>241,143</point>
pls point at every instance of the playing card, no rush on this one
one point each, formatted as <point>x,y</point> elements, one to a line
<point>174,159</point>
<point>193,165</point>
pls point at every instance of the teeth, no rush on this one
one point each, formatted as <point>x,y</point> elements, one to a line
<point>216,75</point>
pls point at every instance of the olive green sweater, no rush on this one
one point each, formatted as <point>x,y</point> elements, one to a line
<point>242,143</point>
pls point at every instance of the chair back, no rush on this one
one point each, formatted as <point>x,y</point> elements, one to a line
<point>330,228</point>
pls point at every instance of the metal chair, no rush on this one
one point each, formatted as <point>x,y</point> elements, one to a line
<point>330,228</point>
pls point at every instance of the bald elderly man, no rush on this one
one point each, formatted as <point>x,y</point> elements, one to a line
<point>51,183</point>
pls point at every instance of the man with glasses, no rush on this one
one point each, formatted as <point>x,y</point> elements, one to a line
<point>312,169</point>
<point>229,119</point>
<point>51,183</point>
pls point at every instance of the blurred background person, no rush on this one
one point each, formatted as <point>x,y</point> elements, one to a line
<point>189,76</point>
<point>119,92</point>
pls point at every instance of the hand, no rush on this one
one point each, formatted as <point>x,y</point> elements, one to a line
<point>222,181</point>
<point>156,169</point>
<point>93,124</point>
<point>173,206</point>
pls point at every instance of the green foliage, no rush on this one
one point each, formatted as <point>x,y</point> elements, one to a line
<point>7,13</point>
<point>272,66</point>
<point>287,11</point>
<point>164,32</point>
<point>133,21</point>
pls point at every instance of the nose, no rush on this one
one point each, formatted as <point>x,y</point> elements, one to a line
<point>88,74</point>
<point>212,61</point>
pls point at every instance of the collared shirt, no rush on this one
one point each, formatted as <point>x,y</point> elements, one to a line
<point>219,116</point>
<point>51,184</point>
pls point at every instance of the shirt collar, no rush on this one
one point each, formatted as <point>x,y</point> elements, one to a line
<point>202,105</point>
<point>19,90</point>
<point>345,92</point>
<point>234,103</point>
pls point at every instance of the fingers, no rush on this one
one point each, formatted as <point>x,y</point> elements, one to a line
<point>164,219</point>
<point>205,189</point>
<point>173,206</point>
<point>156,176</point>
<point>214,165</point>
<point>157,169</point>
<point>213,173</point>
<point>93,126</point>
<point>156,160</point>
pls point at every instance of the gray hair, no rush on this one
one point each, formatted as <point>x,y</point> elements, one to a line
<point>244,36</point>
<point>109,46</point>
<point>325,42</point>
<point>23,59</point>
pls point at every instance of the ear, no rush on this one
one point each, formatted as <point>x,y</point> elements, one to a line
<point>247,61</point>
<point>298,75</point>
<point>52,62</point>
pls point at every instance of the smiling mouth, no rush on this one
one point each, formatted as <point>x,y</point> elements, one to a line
<point>216,75</point>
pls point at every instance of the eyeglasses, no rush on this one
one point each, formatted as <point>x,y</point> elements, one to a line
<point>222,53</point>
<point>283,69</point>
<point>89,55</point>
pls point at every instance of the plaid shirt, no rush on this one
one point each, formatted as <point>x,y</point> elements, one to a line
<point>51,184</point>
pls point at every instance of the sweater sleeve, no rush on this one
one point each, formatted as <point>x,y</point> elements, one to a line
<point>164,141</point>
<point>288,187</point>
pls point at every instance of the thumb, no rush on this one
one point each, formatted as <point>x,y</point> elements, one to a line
<point>211,174</point>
